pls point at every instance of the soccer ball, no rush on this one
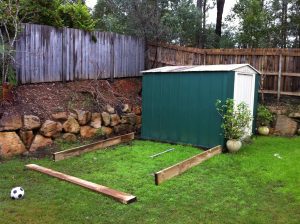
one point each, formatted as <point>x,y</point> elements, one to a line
<point>17,193</point>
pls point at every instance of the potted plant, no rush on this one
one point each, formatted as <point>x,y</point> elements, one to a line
<point>264,118</point>
<point>236,122</point>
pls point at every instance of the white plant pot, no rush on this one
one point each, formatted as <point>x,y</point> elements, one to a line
<point>263,130</point>
<point>233,145</point>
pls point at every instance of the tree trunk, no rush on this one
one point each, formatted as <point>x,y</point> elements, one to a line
<point>199,34</point>
<point>220,7</point>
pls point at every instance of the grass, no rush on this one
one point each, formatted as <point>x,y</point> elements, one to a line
<point>252,186</point>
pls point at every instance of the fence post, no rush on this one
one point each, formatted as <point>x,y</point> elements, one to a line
<point>279,77</point>
<point>112,57</point>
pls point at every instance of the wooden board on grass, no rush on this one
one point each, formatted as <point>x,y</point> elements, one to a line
<point>117,195</point>
<point>92,147</point>
<point>181,167</point>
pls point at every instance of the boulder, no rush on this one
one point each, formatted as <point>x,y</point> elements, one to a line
<point>114,119</point>
<point>110,109</point>
<point>60,116</point>
<point>96,120</point>
<point>71,126</point>
<point>10,144</point>
<point>10,122</point>
<point>137,110</point>
<point>285,125</point>
<point>105,118</point>
<point>69,137</point>
<point>126,108</point>
<point>87,131</point>
<point>123,128</point>
<point>298,132</point>
<point>138,119</point>
<point>40,142</point>
<point>31,122</point>
<point>27,137</point>
<point>129,119</point>
<point>51,128</point>
<point>72,115</point>
<point>106,131</point>
<point>295,115</point>
<point>83,116</point>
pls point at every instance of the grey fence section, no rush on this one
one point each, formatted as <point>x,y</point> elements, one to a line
<point>49,54</point>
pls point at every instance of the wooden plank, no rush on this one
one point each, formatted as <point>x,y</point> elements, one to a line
<point>282,93</point>
<point>181,167</point>
<point>117,195</point>
<point>92,147</point>
<point>279,78</point>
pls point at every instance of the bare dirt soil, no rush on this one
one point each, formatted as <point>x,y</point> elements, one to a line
<point>43,99</point>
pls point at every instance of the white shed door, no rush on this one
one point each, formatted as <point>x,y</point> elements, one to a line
<point>244,87</point>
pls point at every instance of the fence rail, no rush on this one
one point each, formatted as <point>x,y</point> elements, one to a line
<point>279,67</point>
<point>49,54</point>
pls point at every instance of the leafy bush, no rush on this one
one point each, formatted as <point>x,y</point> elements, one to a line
<point>264,116</point>
<point>236,118</point>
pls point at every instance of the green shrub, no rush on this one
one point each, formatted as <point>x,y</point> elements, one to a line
<point>264,116</point>
<point>236,118</point>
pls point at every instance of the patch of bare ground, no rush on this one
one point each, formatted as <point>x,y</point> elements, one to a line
<point>43,99</point>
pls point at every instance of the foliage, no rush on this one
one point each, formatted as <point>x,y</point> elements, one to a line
<point>10,26</point>
<point>59,13</point>
<point>264,116</point>
<point>76,15</point>
<point>236,118</point>
<point>251,182</point>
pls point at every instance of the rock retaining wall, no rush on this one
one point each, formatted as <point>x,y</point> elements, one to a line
<point>19,134</point>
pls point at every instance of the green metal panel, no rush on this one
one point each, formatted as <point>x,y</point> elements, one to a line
<point>180,107</point>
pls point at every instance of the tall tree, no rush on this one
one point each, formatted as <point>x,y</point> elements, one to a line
<point>220,8</point>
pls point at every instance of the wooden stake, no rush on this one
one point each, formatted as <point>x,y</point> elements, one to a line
<point>92,147</point>
<point>117,195</point>
<point>181,167</point>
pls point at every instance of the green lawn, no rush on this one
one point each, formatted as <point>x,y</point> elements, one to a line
<point>252,186</point>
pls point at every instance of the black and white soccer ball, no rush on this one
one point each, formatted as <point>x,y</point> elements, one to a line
<point>17,193</point>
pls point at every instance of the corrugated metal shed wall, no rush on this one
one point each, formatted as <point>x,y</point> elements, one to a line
<point>180,107</point>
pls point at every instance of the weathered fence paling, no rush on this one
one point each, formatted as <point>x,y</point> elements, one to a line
<point>286,74</point>
<point>49,54</point>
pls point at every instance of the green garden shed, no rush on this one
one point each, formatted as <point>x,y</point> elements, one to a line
<point>179,101</point>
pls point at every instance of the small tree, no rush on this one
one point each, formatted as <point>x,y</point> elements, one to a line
<point>264,116</point>
<point>10,26</point>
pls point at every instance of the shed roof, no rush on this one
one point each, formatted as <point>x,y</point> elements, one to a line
<point>201,68</point>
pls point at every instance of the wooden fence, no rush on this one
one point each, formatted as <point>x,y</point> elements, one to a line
<point>48,54</point>
<point>279,67</point>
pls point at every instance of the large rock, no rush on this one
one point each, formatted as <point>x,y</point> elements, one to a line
<point>71,126</point>
<point>51,128</point>
<point>114,119</point>
<point>129,119</point>
<point>60,116</point>
<point>126,108</point>
<point>10,122</point>
<point>285,125</point>
<point>27,137</point>
<point>87,132</point>
<point>10,144</point>
<point>73,115</point>
<point>105,118</point>
<point>138,119</point>
<point>295,115</point>
<point>123,128</point>
<point>31,122</point>
<point>40,142</point>
<point>106,131</point>
<point>110,109</point>
<point>96,120</point>
<point>83,116</point>
<point>69,137</point>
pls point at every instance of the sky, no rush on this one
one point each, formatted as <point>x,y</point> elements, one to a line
<point>212,13</point>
